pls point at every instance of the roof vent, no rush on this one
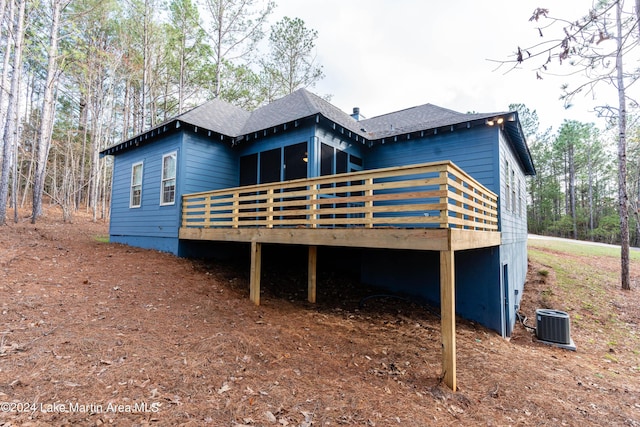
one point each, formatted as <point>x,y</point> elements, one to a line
<point>553,327</point>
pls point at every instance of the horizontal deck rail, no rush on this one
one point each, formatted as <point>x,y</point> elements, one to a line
<point>431,195</point>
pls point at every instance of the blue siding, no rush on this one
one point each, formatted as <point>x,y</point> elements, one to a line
<point>417,274</point>
<point>208,165</point>
<point>301,134</point>
<point>163,244</point>
<point>473,150</point>
<point>313,135</point>
<point>480,285</point>
<point>513,225</point>
<point>339,141</point>
<point>202,165</point>
<point>150,219</point>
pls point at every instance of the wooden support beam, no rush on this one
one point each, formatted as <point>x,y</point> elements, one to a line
<point>312,279</point>
<point>256,267</point>
<point>448,317</point>
<point>429,239</point>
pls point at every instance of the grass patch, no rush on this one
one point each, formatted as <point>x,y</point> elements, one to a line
<point>101,238</point>
<point>581,249</point>
<point>586,290</point>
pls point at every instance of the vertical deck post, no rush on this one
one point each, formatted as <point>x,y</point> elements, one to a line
<point>448,317</point>
<point>368,205</point>
<point>313,206</point>
<point>270,208</point>
<point>444,198</point>
<point>256,267</point>
<point>312,279</point>
<point>236,209</point>
<point>460,182</point>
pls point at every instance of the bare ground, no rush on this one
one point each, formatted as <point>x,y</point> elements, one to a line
<point>93,333</point>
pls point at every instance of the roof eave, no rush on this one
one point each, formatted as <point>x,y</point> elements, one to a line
<point>162,130</point>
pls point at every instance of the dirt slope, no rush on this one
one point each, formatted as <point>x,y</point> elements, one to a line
<point>94,333</point>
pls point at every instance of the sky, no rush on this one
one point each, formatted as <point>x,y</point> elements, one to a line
<point>388,55</point>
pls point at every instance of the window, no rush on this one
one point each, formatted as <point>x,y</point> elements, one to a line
<point>168,188</point>
<point>326,159</point>
<point>135,198</point>
<point>342,161</point>
<point>514,201</point>
<point>270,162</point>
<point>249,169</point>
<point>355,160</point>
<point>507,179</point>
<point>520,204</point>
<point>295,161</point>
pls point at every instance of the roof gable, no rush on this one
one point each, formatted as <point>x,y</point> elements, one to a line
<point>298,105</point>
<point>218,116</point>
<point>226,122</point>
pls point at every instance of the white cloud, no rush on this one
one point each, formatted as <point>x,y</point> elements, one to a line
<point>386,55</point>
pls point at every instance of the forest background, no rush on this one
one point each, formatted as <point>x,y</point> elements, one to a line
<point>80,75</point>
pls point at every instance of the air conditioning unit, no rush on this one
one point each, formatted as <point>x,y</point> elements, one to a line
<point>553,327</point>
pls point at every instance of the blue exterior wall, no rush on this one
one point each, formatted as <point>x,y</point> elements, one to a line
<point>295,136</point>
<point>513,225</point>
<point>485,278</point>
<point>313,135</point>
<point>417,273</point>
<point>151,225</point>
<point>339,141</point>
<point>208,165</point>
<point>474,150</point>
<point>478,272</point>
<point>202,165</point>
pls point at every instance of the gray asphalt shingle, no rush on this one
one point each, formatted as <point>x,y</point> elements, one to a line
<point>234,122</point>
<point>218,116</point>
<point>224,118</point>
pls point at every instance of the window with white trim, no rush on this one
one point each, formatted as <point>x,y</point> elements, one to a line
<point>168,186</point>
<point>135,197</point>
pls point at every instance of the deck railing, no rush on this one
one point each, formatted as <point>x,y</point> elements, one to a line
<point>435,195</point>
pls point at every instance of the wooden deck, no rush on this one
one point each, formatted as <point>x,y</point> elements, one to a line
<point>429,207</point>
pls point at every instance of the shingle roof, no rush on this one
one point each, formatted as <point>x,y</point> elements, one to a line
<point>233,123</point>
<point>298,105</point>
<point>218,116</point>
<point>422,117</point>
<point>227,119</point>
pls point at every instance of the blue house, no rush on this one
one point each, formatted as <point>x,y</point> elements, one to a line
<point>435,198</point>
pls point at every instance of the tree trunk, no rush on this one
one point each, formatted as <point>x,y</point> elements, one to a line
<point>4,83</point>
<point>218,47</point>
<point>590,191</point>
<point>83,127</point>
<point>125,112</point>
<point>10,128</point>
<point>625,277</point>
<point>14,191</point>
<point>27,180</point>
<point>181,79</point>
<point>48,113</point>
<point>572,188</point>
<point>145,64</point>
